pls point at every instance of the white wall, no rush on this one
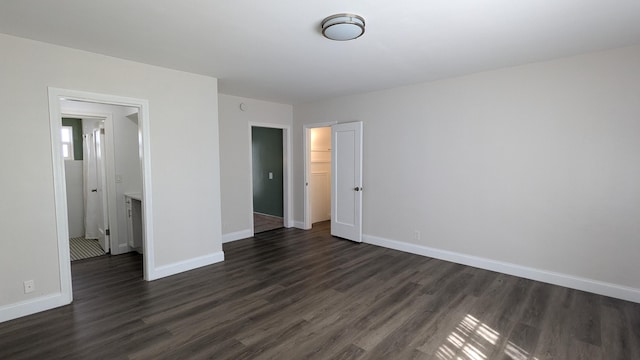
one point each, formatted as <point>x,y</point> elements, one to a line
<point>127,159</point>
<point>75,198</point>
<point>235,143</point>
<point>184,160</point>
<point>534,165</point>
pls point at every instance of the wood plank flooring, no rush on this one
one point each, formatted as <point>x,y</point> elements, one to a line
<point>292,294</point>
<point>262,223</point>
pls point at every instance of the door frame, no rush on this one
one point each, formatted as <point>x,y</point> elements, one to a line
<point>59,180</point>
<point>306,145</point>
<point>287,195</point>
<point>110,168</point>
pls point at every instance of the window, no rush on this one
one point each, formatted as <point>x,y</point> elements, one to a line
<point>67,142</point>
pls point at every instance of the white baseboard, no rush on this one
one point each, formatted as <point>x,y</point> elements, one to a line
<point>32,306</point>
<point>570,281</point>
<point>120,249</point>
<point>182,266</point>
<point>238,235</point>
<point>299,225</point>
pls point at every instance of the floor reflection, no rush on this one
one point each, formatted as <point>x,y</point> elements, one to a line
<point>473,340</point>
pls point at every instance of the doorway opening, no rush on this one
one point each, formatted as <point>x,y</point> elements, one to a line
<point>270,178</point>
<point>317,170</point>
<point>84,152</point>
<point>111,173</point>
<point>320,174</point>
<point>117,130</point>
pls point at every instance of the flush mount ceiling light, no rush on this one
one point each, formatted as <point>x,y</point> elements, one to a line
<point>342,27</point>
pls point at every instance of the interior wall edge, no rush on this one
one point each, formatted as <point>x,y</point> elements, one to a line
<point>236,235</point>
<point>550,277</point>
<point>186,265</point>
<point>300,225</point>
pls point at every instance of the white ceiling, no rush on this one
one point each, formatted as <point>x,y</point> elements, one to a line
<point>273,50</point>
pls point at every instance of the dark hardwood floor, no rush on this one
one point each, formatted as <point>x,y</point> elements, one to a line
<point>262,223</point>
<point>291,294</point>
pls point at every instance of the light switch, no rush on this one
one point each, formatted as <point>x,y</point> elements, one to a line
<point>270,175</point>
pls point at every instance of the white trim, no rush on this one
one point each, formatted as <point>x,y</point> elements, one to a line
<point>287,161</point>
<point>237,235</point>
<point>186,265</point>
<point>144,133</point>
<point>300,225</point>
<point>251,223</point>
<point>60,200</point>
<point>32,306</point>
<point>306,145</point>
<point>570,281</point>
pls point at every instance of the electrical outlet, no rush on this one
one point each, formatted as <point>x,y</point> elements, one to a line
<point>29,286</point>
<point>416,235</point>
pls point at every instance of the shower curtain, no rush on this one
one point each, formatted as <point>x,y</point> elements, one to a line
<point>91,201</point>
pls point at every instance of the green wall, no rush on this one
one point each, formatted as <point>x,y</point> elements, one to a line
<point>77,136</point>
<point>266,145</point>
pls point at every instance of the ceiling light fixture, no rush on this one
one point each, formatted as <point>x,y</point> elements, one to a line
<point>342,27</point>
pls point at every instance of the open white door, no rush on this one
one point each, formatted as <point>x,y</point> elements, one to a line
<point>103,221</point>
<point>90,179</point>
<point>346,181</point>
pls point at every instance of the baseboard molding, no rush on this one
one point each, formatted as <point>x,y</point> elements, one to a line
<point>570,281</point>
<point>182,266</point>
<point>299,225</point>
<point>32,306</point>
<point>238,235</point>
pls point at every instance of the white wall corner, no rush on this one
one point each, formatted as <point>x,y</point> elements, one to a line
<point>300,225</point>
<point>238,235</point>
<point>570,281</point>
<point>32,306</point>
<point>186,265</point>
